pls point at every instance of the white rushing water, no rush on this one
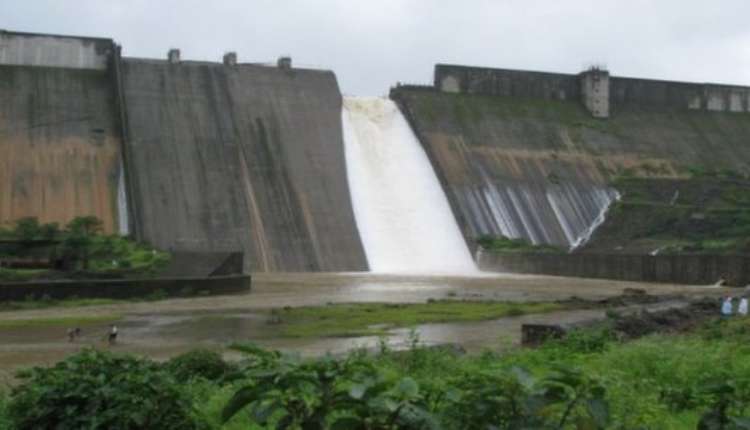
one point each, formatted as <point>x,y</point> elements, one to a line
<point>122,202</point>
<point>402,214</point>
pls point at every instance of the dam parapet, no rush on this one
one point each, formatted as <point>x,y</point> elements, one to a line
<point>594,88</point>
<point>46,50</point>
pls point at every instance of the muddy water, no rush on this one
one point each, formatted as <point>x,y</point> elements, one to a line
<point>164,328</point>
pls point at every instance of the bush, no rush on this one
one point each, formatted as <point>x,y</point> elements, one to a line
<point>100,390</point>
<point>198,363</point>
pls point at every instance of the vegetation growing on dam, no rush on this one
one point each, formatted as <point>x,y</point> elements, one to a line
<point>589,380</point>
<point>706,214</point>
<point>507,245</point>
<point>32,250</point>
<point>372,319</point>
<point>639,139</point>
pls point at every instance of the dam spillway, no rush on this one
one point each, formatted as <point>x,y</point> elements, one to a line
<point>403,216</point>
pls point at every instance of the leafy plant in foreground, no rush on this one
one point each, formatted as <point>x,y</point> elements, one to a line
<point>728,399</point>
<point>201,363</point>
<point>100,390</point>
<point>515,400</point>
<point>328,393</point>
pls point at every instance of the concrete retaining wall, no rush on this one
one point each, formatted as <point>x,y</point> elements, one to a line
<point>677,269</point>
<point>125,289</point>
<point>28,49</point>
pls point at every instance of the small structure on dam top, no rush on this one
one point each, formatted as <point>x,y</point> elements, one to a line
<point>173,56</point>
<point>230,59</point>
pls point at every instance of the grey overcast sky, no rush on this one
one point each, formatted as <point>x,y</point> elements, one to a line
<point>372,44</point>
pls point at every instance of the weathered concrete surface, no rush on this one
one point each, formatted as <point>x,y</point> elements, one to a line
<point>29,49</point>
<point>59,145</point>
<point>240,158</point>
<point>539,165</point>
<point>675,269</point>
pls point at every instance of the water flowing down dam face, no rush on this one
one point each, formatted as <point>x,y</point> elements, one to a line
<point>404,219</point>
<point>564,214</point>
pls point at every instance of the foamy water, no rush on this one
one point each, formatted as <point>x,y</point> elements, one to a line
<point>122,202</point>
<point>402,214</point>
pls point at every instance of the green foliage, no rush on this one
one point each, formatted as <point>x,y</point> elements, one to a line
<point>99,390</point>
<point>339,394</point>
<point>43,304</point>
<point>83,245</point>
<point>589,381</point>
<point>19,275</point>
<point>27,228</point>
<point>79,237</point>
<point>201,363</point>
<point>506,245</point>
<point>360,393</point>
<point>376,318</point>
<point>5,422</point>
<point>708,215</point>
<point>584,340</point>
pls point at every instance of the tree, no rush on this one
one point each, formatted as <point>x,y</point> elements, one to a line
<point>79,236</point>
<point>27,229</point>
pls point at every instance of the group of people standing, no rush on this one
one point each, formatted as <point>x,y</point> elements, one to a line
<point>727,306</point>
<point>75,333</point>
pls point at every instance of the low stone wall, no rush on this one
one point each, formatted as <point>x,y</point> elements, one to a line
<point>677,269</point>
<point>125,288</point>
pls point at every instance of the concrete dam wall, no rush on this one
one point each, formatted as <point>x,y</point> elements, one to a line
<point>59,145</point>
<point>251,157</point>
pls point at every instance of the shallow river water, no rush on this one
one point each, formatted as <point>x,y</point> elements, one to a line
<point>164,328</point>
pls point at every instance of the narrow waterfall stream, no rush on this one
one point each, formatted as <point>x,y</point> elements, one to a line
<point>122,202</point>
<point>402,214</point>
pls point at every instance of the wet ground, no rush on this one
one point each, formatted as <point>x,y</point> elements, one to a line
<point>164,328</point>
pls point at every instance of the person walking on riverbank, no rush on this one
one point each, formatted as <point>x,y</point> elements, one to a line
<point>742,308</point>
<point>112,338</point>
<point>727,307</point>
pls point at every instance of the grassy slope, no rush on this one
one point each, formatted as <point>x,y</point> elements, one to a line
<point>686,139</point>
<point>699,215</point>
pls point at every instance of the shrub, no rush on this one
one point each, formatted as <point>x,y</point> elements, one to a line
<point>201,363</point>
<point>100,390</point>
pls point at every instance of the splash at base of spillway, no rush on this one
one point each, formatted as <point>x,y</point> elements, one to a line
<point>404,219</point>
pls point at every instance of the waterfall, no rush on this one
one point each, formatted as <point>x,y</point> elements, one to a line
<point>402,214</point>
<point>122,202</point>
